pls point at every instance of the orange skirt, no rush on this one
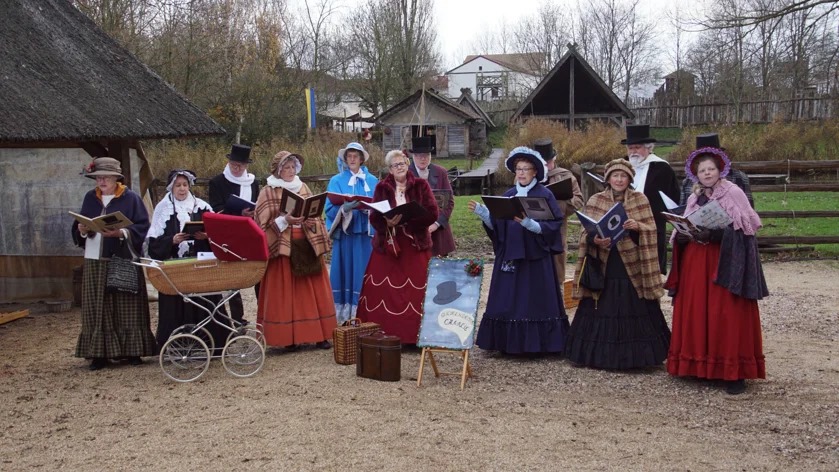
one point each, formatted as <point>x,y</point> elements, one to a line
<point>295,310</point>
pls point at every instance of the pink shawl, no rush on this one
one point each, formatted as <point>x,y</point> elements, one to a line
<point>732,199</point>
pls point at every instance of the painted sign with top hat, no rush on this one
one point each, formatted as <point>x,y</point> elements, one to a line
<point>451,304</point>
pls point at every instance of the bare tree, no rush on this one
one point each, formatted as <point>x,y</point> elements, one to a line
<point>543,32</point>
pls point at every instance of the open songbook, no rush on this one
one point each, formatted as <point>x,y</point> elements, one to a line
<point>296,206</point>
<point>507,208</point>
<point>709,216</point>
<point>609,225</point>
<point>562,190</point>
<point>100,224</point>
<point>409,211</point>
<point>341,198</point>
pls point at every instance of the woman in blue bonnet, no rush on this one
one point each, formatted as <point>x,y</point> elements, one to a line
<point>353,238</point>
<point>524,313</point>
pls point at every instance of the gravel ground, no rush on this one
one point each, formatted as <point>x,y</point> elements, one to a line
<point>304,412</point>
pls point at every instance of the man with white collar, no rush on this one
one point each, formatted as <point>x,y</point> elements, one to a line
<point>438,179</point>
<point>235,180</point>
<point>652,174</point>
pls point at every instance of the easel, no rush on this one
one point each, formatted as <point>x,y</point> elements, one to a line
<point>464,373</point>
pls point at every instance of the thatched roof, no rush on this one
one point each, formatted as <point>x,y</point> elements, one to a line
<point>435,99</point>
<point>592,97</point>
<point>63,79</point>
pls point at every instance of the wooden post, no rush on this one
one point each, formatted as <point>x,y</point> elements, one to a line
<point>587,185</point>
<point>119,150</point>
<point>571,94</point>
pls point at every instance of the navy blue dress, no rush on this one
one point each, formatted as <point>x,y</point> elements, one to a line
<point>524,313</point>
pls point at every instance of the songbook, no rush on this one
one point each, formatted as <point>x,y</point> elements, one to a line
<point>235,205</point>
<point>610,225</point>
<point>442,197</point>
<point>341,198</point>
<point>507,208</point>
<point>409,211</point>
<point>709,216</point>
<point>563,189</point>
<point>100,224</point>
<point>672,207</point>
<point>192,227</point>
<point>296,206</point>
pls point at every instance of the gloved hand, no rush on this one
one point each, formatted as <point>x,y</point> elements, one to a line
<point>703,236</point>
<point>349,206</point>
<point>483,213</point>
<point>682,238</point>
<point>716,235</point>
<point>531,225</point>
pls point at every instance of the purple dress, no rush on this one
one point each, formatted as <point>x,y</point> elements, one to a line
<point>524,313</point>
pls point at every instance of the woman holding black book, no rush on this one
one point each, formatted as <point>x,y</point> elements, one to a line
<point>295,298</point>
<point>524,313</point>
<point>396,277</point>
<point>168,239</point>
<point>619,324</point>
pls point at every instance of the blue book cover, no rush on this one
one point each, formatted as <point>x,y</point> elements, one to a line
<point>236,204</point>
<point>609,225</point>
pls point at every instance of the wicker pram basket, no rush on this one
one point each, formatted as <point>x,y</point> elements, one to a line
<point>194,276</point>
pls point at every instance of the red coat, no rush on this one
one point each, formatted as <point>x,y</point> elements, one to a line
<point>416,189</point>
<point>438,180</point>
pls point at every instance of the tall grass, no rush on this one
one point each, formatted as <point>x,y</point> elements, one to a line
<point>207,157</point>
<point>770,142</point>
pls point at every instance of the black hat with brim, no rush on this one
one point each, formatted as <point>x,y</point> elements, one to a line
<point>240,153</point>
<point>423,145</point>
<point>638,134</point>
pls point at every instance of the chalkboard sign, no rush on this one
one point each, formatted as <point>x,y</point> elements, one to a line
<point>451,305</point>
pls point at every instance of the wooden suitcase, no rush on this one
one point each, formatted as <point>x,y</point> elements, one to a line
<point>379,357</point>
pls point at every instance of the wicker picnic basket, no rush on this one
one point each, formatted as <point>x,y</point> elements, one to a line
<point>567,293</point>
<point>194,276</point>
<point>345,339</point>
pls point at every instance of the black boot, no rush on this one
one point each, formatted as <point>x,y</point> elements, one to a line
<point>98,363</point>
<point>735,387</point>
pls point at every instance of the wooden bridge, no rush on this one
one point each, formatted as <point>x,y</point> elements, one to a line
<point>486,171</point>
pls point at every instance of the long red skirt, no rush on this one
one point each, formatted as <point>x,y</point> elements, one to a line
<point>292,309</point>
<point>394,290</point>
<point>716,334</point>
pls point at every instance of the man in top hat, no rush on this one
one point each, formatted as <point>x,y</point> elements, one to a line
<point>712,140</point>
<point>545,148</point>
<point>438,180</point>
<point>652,174</point>
<point>235,180</point>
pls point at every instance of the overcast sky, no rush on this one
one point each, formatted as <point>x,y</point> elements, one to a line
<point>459,22</point>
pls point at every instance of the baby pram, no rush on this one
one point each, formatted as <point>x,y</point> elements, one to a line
<point>241,255</point>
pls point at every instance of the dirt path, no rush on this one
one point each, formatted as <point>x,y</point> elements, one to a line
<point>304,412</point>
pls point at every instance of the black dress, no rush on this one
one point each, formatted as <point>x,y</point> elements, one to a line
<point>620,330</point>
<point>173,311</point>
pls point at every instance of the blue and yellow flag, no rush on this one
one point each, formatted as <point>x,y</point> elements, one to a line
<point>310,106</point>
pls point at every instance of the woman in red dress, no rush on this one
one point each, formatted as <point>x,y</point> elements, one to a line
<point>396,277</point>
<point>717,280</point>
<point>293,308</point>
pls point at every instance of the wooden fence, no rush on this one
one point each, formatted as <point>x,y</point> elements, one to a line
<point>761,111</point>
<point>788,175</point>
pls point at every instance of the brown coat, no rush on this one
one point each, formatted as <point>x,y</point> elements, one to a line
<point>568,207</point>
<point>416,190</point>
<point>279,243</point>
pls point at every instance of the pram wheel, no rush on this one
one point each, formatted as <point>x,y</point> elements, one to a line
<point>243,356</point>
<point>252,330</point>
<point>203,334</point>
<point>184,357</point>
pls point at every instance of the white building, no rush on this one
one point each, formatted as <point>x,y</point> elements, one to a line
<point>496,76</point>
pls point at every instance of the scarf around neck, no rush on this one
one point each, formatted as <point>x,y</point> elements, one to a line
<point>360,175</point>
<point>293,186</point>
<point>732,199</point>
<point>522,191</point>
<point>246,178</point>
<point>641,169</point>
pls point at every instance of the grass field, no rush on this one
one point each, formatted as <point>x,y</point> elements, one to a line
<point>472,239</point>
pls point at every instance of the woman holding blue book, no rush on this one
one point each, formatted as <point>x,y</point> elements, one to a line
<point>621,326</point>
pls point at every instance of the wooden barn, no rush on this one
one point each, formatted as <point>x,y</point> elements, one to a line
<point>427,113</point>
<point>69,92</point>
<point>572,91</point>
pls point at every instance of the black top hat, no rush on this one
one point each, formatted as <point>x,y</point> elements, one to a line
<point>638,134</point>
<point>446,293</point>
<point>423,145</point>
<point>708,140</point>
<point>545,147</point>
<point>240,153</point>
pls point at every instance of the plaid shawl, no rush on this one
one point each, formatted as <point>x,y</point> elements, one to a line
<point>279,243</point>
<point>640,260</point>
